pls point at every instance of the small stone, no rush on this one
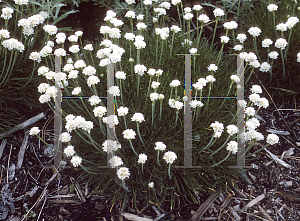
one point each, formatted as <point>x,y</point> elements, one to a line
<point>236,201</point>
<point>288,184</point>
<point>236,207</point>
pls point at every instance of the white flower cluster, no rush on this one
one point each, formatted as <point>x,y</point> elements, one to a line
<point>218,128</point>
<point>230,25</point>
<point>170,157</point>
<point>195,103</point>
<point>111,120</point>
<point>7,13</point>
<point>110,146</point>
<point>139,42</point>
<point>162,32</point>
<point>200,84</point>
<point>160,146</point>
<point>111,54</point>
<point>74,123</point>
<point>140,69</point>
<point>115,161</point>
<point>232,146</point>
<point>212,67</point>
<point>123,173</point>
<point>12,44</point>
<point>34,131</point>
<point>232,129</point>
<point>138,117</point>
<point>142,158</point>
<point>129,134</point>
<point>254,31</point>
<point>4,33</point>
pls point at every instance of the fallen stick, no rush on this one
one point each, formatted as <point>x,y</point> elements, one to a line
<point>23,125</point>
<point>22,150</point>
<point>204,207</point>
<point>2,146</point>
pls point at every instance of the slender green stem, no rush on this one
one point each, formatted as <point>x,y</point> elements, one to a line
<point>283,67</point>
<point>132,147</point>
<point>169,171</point>
<point>257,151</point>
<point>157,158</point>
<point>222,160</point>
<point>220,147</point>
<point>227,94</point>
<point>153,109</point>
<point>160,110</point>
<point>215,29</point>
<point>249,76</point>
<point>138,130</point>
<point>179,18</point>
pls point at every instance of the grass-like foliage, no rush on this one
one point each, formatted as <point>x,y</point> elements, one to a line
<point>142,134</point>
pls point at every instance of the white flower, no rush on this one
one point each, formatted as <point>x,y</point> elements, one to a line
<point>112,120</point>
<point>175,83</point>
<point>178,105</point>
<point>65,137</point>
<point>89,70</point>
<point>250,111</point>
<point>262,102</point>
<point>88,47</point>
<point>140,69</point>
<point>35,56</point>
<point>6,13</point>
<point>60,52</point>
<point>254,31</point>
<point>266,43</point>
<point>76,161</point>
<point>232,146</point>
<point>21,2</point>
<point>218,12</point>
<point>161,97</point>
<point>291,22</point>
<point>73,74</point>
<point>272,139</point>
<point>138,117</point>
<point>76,91</point>
<point>114,90</point>
<point>44,98</point>
<point>50,29</point>
<point>272,7</point>
<point>141,26</point>
<point>165,5</point>
<point>273,55</point>
<point>160,11</point>
<point>175,29</point>
<point>298,57</point>
<point>281,43</point>
<point>92,80</point>
<point>265,67</point>
<point>242,103</point>
<point>99,111</point>
<point>114,33</point>
<point>203,18</point>
<point>129,36</point>
<point>34,131</point>
<point>120,75</point>
<point>130,14</point>
<point>217,127</point>
<point>230,25</point>
<point>60,37</point>
<point>197,8</point>
<point>104,29</point>
<point>193,50</point>
<point>160,146</point>
<point>74,49</point>
<point>154,96</point>
<point>46,50</point>
<point>69,151</point>
<point>130,2</point>
<point>104,62</point>
<point>123,173</point>
<point>50,75</point>
<point>4,33</point>
<point>159,72</point>
<point>212,67</point>
<point>255,64</point>
<point>151,185</point>
<point>254,97</point>
<point>281,27</point>
<point>73,38</point>
<point>42,88</point>
<point>139,44</point>
<point>241,37</point>
<point>235,78</point>
<point>224,39</point>
<point>238,47</point>
<point>155,20</point>
<point>142,158</point>
<point>147,2</point>
<point>202,81</point>
<point>140,17</point>
<point>195,103</point>
<point>50,43</point>
<point>154,84</point>
<point>78,33</point>
<point>256,89</point>
<point>187,10</point>
<point>110,146</point>
<point>175,2</point>
<point>251,57</point>
<point>129,134</point>
<point>198,86</point>
<point>122,111</point>
<point>210,79</point>
<point>115,161</point>
<point>188,16</point>
<point>94,100</point>
<point>232,129</point>
<point>51,91</point>
<point>170,157</point>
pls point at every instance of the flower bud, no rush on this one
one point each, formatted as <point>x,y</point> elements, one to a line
<point>131,60</point>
